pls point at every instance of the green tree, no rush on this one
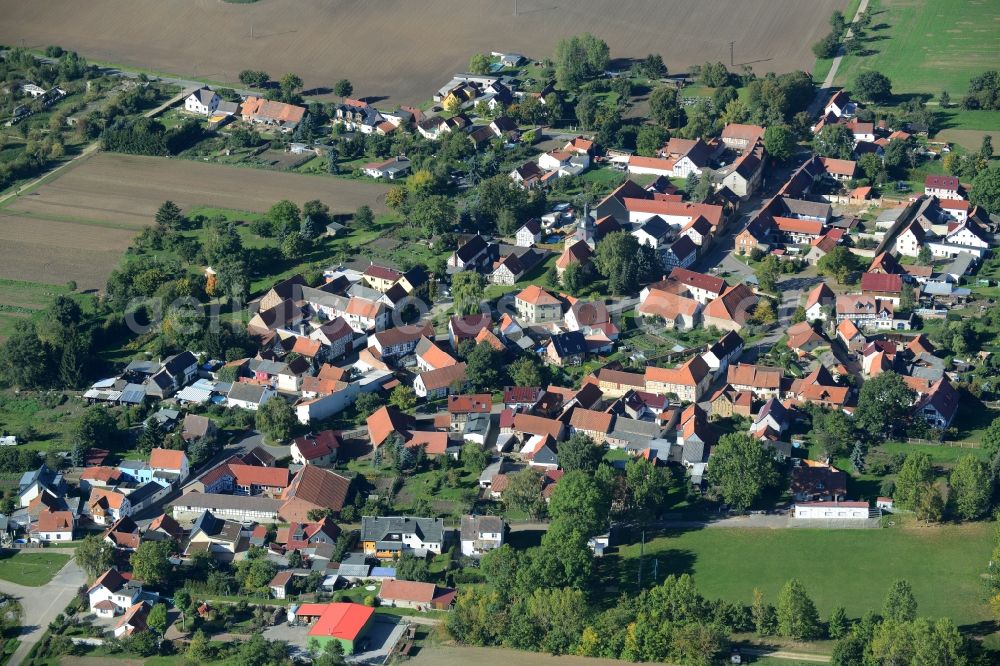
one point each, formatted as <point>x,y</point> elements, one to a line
<point>579,58</point>
<point>652,66</point>
<point>149,562</point>
<point>646,487</point>
<point>832,431</point>
<point>767,273</point>
<point>343,88</point>
<point>484,368</point>
<point>916,472</point>
<point>411,567</point>
<point>25,357</point>
<point>403,398</point>
<point>763,614</point>
<point>435,214</point>
<point>930,504</point>
<point>580,501</point>
<point>619,258</point>
<point>525,371</point>
<point>985,190</point>
<point>650,139</point>
<point>290,83</point>
<point>524,492</point>
<point>169,216</point>
<point>664,106</point>
<point>588,111</point>
<point>839,263</point>
<point>366,404</point>
<point>834,141</point>
<point>284,214</point>
<point>157,618</point>
<point>779,142</point>
<point>797,616</point>
<point>971,487</point>
<point>564,559</point>
<point>364,218</point>
<point>883,406</point>
<point>467,289</point>
<point>991,438</point>
<point>848,651</point>
<point>838,624</point>
<point>474,457</point>
<point>293,245</point>
<point>580,453</point>
<point>199,650</point>
<point>276,419</point>
<point>479,63</point>
<point>944,99</point>
<point>94,555</point>
<point>872,86</point>
<point>742,470</point>
<point>871,165</point>
<point>900,604</point>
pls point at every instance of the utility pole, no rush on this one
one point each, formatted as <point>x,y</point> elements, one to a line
<point>515,7</point>
<point>731,61</point>
<point>251,32</point>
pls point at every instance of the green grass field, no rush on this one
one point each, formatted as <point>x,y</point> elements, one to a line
<point>31,569</point>
<point>929,45</point>
<point>20,300</point>
<point>852,568</point>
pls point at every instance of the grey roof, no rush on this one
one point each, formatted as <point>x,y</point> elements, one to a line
<point>960,265</point>
<point>570,343</point>
<point>266,366</point>
<point>694,450</point>
<point>546,455</point>
<point>176,365</point>
<point>217,528</point>
<point>144,492</point>
<point>204,95</point>
<point>227,107</point>
<point>634,430</point>
<point>228,502</point>
<point>133,394</point>
<point>324,298</point>
<point>143,367</point>
<point>246,392</point>
<point>656,227</point>
<point>472,526</point>
<point>806,208</point>
<point>375,528</point>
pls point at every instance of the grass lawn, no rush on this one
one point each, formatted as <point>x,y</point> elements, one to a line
<point>30,568</point>
<point>926,46</point>
<point>21,300</point>
<point>852,568</point>
<point>50,417</point>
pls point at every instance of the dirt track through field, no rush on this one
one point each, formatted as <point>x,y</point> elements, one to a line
<point>406,49</point>
<point>126,190</point>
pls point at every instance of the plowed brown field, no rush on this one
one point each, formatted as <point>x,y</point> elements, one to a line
<point>56,252</point>
<point>126,190</point>
<point>406,49</point>
<point>76,226</point>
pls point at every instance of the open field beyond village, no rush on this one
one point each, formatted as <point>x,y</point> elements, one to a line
<point>397,49</point>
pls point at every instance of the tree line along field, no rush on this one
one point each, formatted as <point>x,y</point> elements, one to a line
<point>852,568</point>
<point>395,48</point>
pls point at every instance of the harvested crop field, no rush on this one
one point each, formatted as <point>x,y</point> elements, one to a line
<point>406,50</point>
<point>54,252</point>
<point>126,190</point>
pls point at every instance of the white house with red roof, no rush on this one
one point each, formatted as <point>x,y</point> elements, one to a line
<point>942,187</point>
<point>113,593</point>
<point>169,462</point>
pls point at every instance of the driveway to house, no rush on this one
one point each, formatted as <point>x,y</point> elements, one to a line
<point>42,604</point>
